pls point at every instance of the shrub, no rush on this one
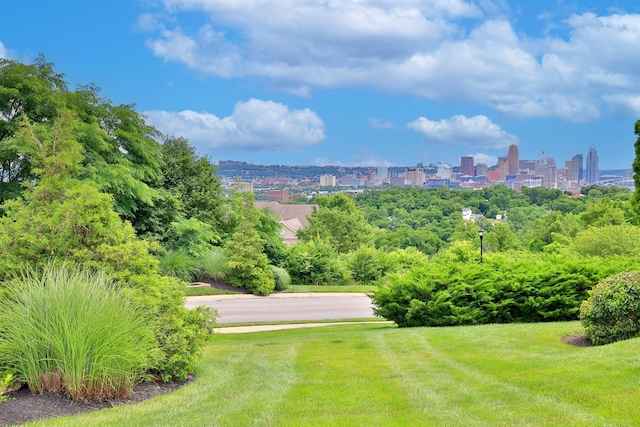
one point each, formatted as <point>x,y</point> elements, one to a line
<point>367,264</point>
<point>612,312</point>
<point>177,263</point>
<point>315,263</point>
<point>68,330</point>
<point>281,275</point>
<point>507,287</point>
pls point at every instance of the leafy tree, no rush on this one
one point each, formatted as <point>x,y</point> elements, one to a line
<point>423,240</point>
<point>500,238</point>
<point>338,222</point>
<point>603,212</point>
<point>193,180</point>
<point>28,90</point>
<point>608,240</point>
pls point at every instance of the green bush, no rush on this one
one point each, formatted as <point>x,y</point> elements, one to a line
<point>68,330</point>
<point>367,264</point>
<point>281,275</point>
<point>612,312</point>
<point>315,263</point>
<point>507,287</point>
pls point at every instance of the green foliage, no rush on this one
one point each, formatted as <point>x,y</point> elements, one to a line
<point>213,265</point>
<point>610,240</point>
<point>507,287</point>
<point>248,265</point>
<point>612,312</point>
<point>281,276</point>
<point>193,236</point>
<point>338,222</point>
<point>68,330</point>
<point>193,180</point>
<point>315,263</point>
<point>405,259</point>
<point>425,241</point>
<point>635,199</point>
<point>177,263</point>
<point>367,264</point>
<point>499,238</point>
<point>66,219</point>
<point>603,212</point>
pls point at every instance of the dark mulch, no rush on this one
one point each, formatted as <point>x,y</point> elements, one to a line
<point>223,286</point>
<point>24,406</point>
<point>579,340</point>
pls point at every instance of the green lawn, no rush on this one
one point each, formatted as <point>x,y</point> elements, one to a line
<point>378,375</point>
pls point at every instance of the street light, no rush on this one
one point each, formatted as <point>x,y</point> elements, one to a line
<point>481,234</point>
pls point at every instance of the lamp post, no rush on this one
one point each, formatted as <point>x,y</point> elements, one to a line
<point>481,234</point>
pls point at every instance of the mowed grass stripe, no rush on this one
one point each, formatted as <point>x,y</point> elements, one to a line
<point>343,383</point>
<point>474,396</point>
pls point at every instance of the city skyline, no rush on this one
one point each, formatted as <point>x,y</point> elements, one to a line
<point>373,82</point>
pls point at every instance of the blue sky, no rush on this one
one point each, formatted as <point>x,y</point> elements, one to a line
<point>355,82</point>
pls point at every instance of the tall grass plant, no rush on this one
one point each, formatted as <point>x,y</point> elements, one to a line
<point>67,330</point>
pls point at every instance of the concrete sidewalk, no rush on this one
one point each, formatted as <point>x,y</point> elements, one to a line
<point>263,328</point>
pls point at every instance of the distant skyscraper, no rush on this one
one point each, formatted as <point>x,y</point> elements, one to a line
<point>466,165</point>
<point>547,170</point>
<point>482,169</point>
<point>593,176</point>
<point>575,168</point>
<point>503,166</point>
<point>514,158</point>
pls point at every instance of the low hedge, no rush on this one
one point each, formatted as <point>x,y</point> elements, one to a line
<point>507,287</point>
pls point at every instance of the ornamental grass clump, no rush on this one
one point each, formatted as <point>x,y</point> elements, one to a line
<point>612,312</point>
<point>67,330</point>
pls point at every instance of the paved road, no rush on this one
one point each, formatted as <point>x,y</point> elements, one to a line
<point>286,307</point>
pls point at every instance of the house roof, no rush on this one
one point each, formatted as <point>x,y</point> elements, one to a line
<point>285,212</point>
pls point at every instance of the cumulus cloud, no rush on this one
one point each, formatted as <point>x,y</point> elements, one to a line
<point>378,123</point>
<point>477,131</point>
<point>255,124</point>
<point>421,47</point>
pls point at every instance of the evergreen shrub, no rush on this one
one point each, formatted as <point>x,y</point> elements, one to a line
<point>612,312</point>
<point>507,287</point>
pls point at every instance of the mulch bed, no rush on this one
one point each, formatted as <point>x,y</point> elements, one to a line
<point>579,340</point>
<point>24,406</point>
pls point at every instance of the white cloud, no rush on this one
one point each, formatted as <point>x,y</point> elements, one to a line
<point>422,47</point>
<point>255,124</point>
<point>477,131</point>
<point>381,124</point>
<point>484,158</point>
<point>4,53</point>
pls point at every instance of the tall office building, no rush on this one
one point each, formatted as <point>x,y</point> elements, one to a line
<point>482,169</point>
<point>466,165</point>
<point>513,157</point>
<point>414,176</point>
<point>575,168</point>
<point>503,167</point>
<point>593,176</point>
<point>547,170</point>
